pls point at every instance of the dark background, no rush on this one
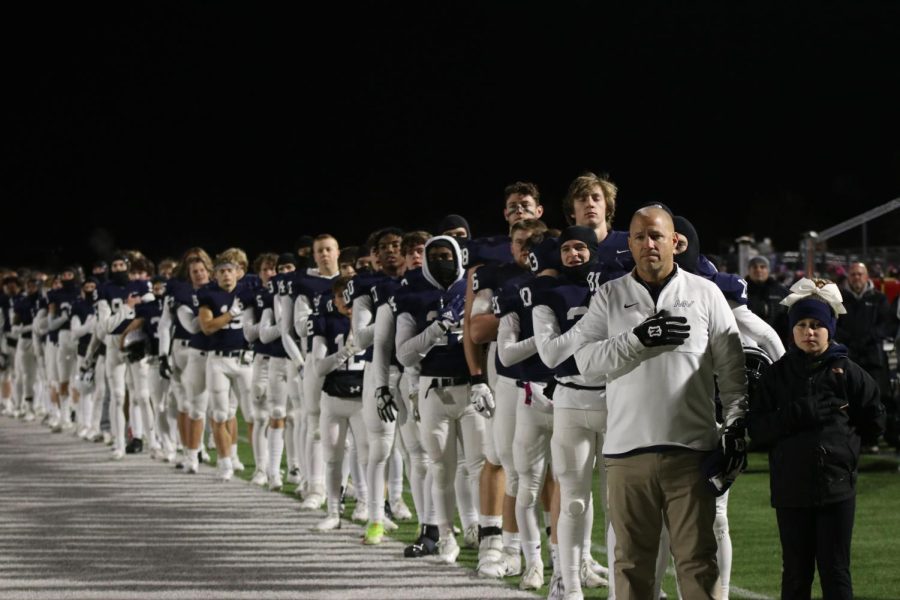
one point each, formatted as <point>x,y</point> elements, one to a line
<point>159,126</point>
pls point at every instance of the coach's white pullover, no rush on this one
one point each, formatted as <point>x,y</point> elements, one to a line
<point>663,396</point>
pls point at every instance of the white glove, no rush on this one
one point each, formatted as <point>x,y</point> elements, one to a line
<point>236,308</point>
<point>481,397</point>
<point>349,349</point>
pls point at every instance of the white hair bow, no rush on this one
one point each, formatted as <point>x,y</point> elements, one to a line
<point>806,288</point>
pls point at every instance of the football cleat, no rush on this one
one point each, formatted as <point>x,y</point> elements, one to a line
<point>329,523</point>
<point>400,511</point>
<point>589,579</point>
<point>313,502</point>
<point>360,513</point>
<point>135,446</point>
<point>374,534</point>
<point>447,549</point>
<point>259,478</point>
<point>470,536</point>
<point>236,464</point>
<point>533,579</point>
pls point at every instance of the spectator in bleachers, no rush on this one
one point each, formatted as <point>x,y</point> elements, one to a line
<point>764,296</point>
<point>864,329</point>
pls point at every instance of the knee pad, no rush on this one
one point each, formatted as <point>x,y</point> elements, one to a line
<point>527,497</point>
<point>278,412</point>
<point>220,416</point>
<point>196,415</point>
<point>261,418</point>
<point>720,527</point>
<point>575,507</point>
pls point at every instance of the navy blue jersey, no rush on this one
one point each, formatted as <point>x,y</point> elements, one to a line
<point>614,253</point>
<point>83,309</point>
<point>504,278</point>
<point>151,312</point>
<point>179,293</point>
<point>250,281</point>
<point>513,301</point>
<point>262,299</point>
<point>569,302</point>
<point>218,301</point>
<point>425,305</point>
<point>63,299</point>
<point>733,287</point>
<point>117,295</point>
<point>363,285</point>
<point>486,250</point>
<point>346,381</point>
<point>24,310</point>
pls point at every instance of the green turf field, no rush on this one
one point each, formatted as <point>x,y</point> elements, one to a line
<point>757,554</point>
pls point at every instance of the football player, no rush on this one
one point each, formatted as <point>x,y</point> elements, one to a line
<point>61,301</point>
<point>334,357</point>
<point>228,360</point>
<point>429,331</point>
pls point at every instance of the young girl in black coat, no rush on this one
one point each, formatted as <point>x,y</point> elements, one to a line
<point>811,408</point>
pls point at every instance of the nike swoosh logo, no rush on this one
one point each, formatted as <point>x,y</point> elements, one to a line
<point>630,305</point>
<point>622,251</point>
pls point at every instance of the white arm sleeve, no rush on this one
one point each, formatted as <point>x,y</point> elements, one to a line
<point>412,347</point>
<point>302,312</point>
<point>117,318</point>
<point>164,329</point>
<point>383,346</point>
<point>80,329</point>
<point>552,346</point>
<point>39,326</point>
<point>510,350</point>
<point>268,330</point>
<point>363,322</point>
<point>284,326</point>
<point>324,363</point>
<point>55,322</point>
<point>187,319</point>
<point>481,303</point>
<point>754,328</point>
<point>249,325</point>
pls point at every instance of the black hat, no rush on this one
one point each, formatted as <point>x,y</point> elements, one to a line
<point>286,258</point>
<point>452,222</point>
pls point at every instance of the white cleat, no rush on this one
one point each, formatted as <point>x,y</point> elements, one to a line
<point>236,464</point>
<point>294,475</point>
<point>389,525</point>
<point>401,510</point>
<point>597,567</point>
<point>329,523</point>
<point>225,474</point>
<point>557,590</point>
<point>360,513</point>
<point>313,502</point>
<point>259,478</point>
<point>192,467</point>
<point>490,552</point>
<point>533,579</point>
<point>68,426</point>
<point>117,454</point>
<point>589,579</point>
<point>509,565</point>
<point>275,483</point>
<point>28,417</point>
<point>447,549</point>
<point>107,438</point>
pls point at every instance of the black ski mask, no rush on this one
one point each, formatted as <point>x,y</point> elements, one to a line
<point>119,277</point>
<point>687,260</point>
<point>445,272</point>
<point>587,235</point>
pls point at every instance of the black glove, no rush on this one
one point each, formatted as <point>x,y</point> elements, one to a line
<point>165,371</point>
<point>734,448</point>
<point>663,330</point>
<point>384,401</point>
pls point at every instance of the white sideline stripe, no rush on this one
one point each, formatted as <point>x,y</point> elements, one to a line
<point>750,595</point>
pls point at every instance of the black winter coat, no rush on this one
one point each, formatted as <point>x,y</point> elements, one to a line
<point>865,327</point>
<point>811,412</point>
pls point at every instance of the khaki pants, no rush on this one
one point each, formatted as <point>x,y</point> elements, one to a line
<point>646,489</point>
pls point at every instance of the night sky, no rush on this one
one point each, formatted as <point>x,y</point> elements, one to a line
<point>162,125</point>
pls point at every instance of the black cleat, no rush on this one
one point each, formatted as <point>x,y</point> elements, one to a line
<point>424,546</point>
<point>135,446</point>
<point>388,511</point>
